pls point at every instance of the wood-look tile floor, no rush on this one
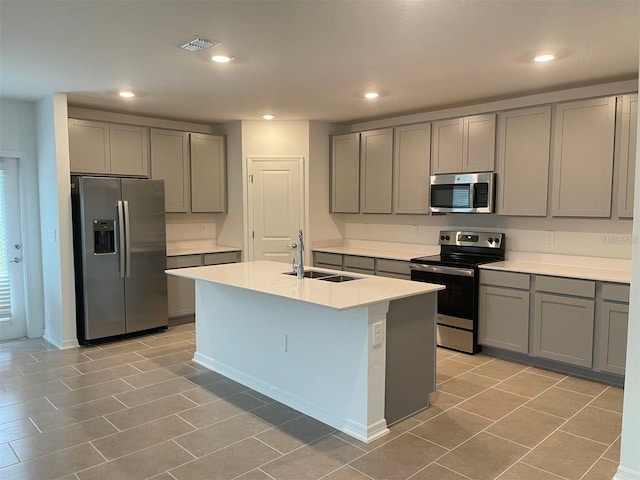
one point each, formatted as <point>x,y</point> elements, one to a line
<point>141,409</point>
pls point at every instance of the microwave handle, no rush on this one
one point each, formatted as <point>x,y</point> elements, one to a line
<point>472,195</point>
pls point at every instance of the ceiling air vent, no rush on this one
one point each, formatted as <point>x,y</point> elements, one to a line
<point>198,44</point>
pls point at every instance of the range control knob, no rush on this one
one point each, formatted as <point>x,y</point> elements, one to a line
<point>441,237</point>
<point>490,239</point>
<point>447,237</point>
<point>496,240</point>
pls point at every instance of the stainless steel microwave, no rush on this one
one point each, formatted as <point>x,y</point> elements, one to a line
<point>462,193</point>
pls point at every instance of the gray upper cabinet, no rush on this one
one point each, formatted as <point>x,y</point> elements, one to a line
<point>446,156</point>
<point>208,173</point>
<point>411,165</point>
<point>464,144</point>
<point>583,158</point>
<point>170,162</point>
<point>479,145</point>
<point>523,161</point>
<point>193,167</point>
<point>376,163</point>
<point>108,149</point>
<point>345,173</point>
<point>626,154</point>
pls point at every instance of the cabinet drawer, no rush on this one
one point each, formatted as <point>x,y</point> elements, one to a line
<point>220,258</point>
<point>364,263</point>
<point>505,279</point>
<point>328,258</point>
<point>566,286</point>
<point>618,292</point>
<point>393,266</point>
<point>183,261</point>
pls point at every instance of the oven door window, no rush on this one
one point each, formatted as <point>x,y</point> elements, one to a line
<point>458,299</point>
<point>451,196</point>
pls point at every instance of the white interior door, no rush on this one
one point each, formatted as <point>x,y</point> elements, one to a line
<point>276,207</point>
<point>12,299</point>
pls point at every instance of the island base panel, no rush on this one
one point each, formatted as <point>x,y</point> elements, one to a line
<point>318,360</point>
<point>410,356</point>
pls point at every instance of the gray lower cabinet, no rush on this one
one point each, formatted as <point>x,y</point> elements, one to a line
<point>357,264</point>
<point>332,261</point>
<point>503,311</point>
<point>393,268</point>
<point>181,291</point>
<point>563,321</point>
<point>614,319</point>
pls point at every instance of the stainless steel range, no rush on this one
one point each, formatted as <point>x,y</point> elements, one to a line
<point>457,268</point>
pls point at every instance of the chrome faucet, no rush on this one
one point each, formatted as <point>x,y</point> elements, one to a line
<point>299,267</point>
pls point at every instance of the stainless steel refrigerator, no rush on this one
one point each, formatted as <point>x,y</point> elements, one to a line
<point>119,242</point>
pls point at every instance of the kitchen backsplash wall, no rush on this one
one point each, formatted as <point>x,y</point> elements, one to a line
<point>610,244</point>
<point>182,227</point>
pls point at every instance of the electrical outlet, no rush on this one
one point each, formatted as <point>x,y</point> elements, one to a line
<point>414,230</point>
<point>51,235</point>
<point>550,238</point>
<point>378,334</point>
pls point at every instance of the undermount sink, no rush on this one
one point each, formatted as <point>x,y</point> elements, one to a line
<point>329,277</point>
<point>339,278</point>
<point>312,274</point>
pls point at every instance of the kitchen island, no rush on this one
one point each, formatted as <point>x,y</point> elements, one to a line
<point>358,354</point>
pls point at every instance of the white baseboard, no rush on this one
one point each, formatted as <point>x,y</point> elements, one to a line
<point>625,473</point>
<point>365,433</point>
<point>58,342</point>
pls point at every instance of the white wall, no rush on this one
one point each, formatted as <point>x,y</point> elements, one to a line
<point>273,138</point>
<point>231,226</point>
<point>55,208</point>
<point>322,225</point>
<point>18,139</point>
<point>629,468</point>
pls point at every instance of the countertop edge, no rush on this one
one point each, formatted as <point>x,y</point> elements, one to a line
<point>558,270</point>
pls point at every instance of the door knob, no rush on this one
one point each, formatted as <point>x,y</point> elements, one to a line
<point>15,260</point>
<point>293,245</point>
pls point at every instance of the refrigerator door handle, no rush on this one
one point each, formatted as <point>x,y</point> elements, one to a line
<point>122,238</point>
<point>127,236</point>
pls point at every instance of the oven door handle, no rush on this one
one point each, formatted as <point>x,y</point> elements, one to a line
<point>460,272</point>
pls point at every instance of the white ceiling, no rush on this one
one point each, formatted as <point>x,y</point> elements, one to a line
<point>309,59</point>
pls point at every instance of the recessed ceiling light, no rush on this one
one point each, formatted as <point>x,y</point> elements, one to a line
<point>221,58</point>
<point>267,117</point>
<point>544,58</point>
<point>371,95</point>
<point>127,94</point>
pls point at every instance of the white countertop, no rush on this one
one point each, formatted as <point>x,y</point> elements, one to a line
<point>196,247</point>
<point>587,268</point>
<point>391,251</point>
<point>268,277</point>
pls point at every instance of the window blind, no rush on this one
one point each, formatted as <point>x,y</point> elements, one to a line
<point>5,288</point>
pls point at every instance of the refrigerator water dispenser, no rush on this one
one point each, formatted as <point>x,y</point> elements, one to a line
<point>104,237</point>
